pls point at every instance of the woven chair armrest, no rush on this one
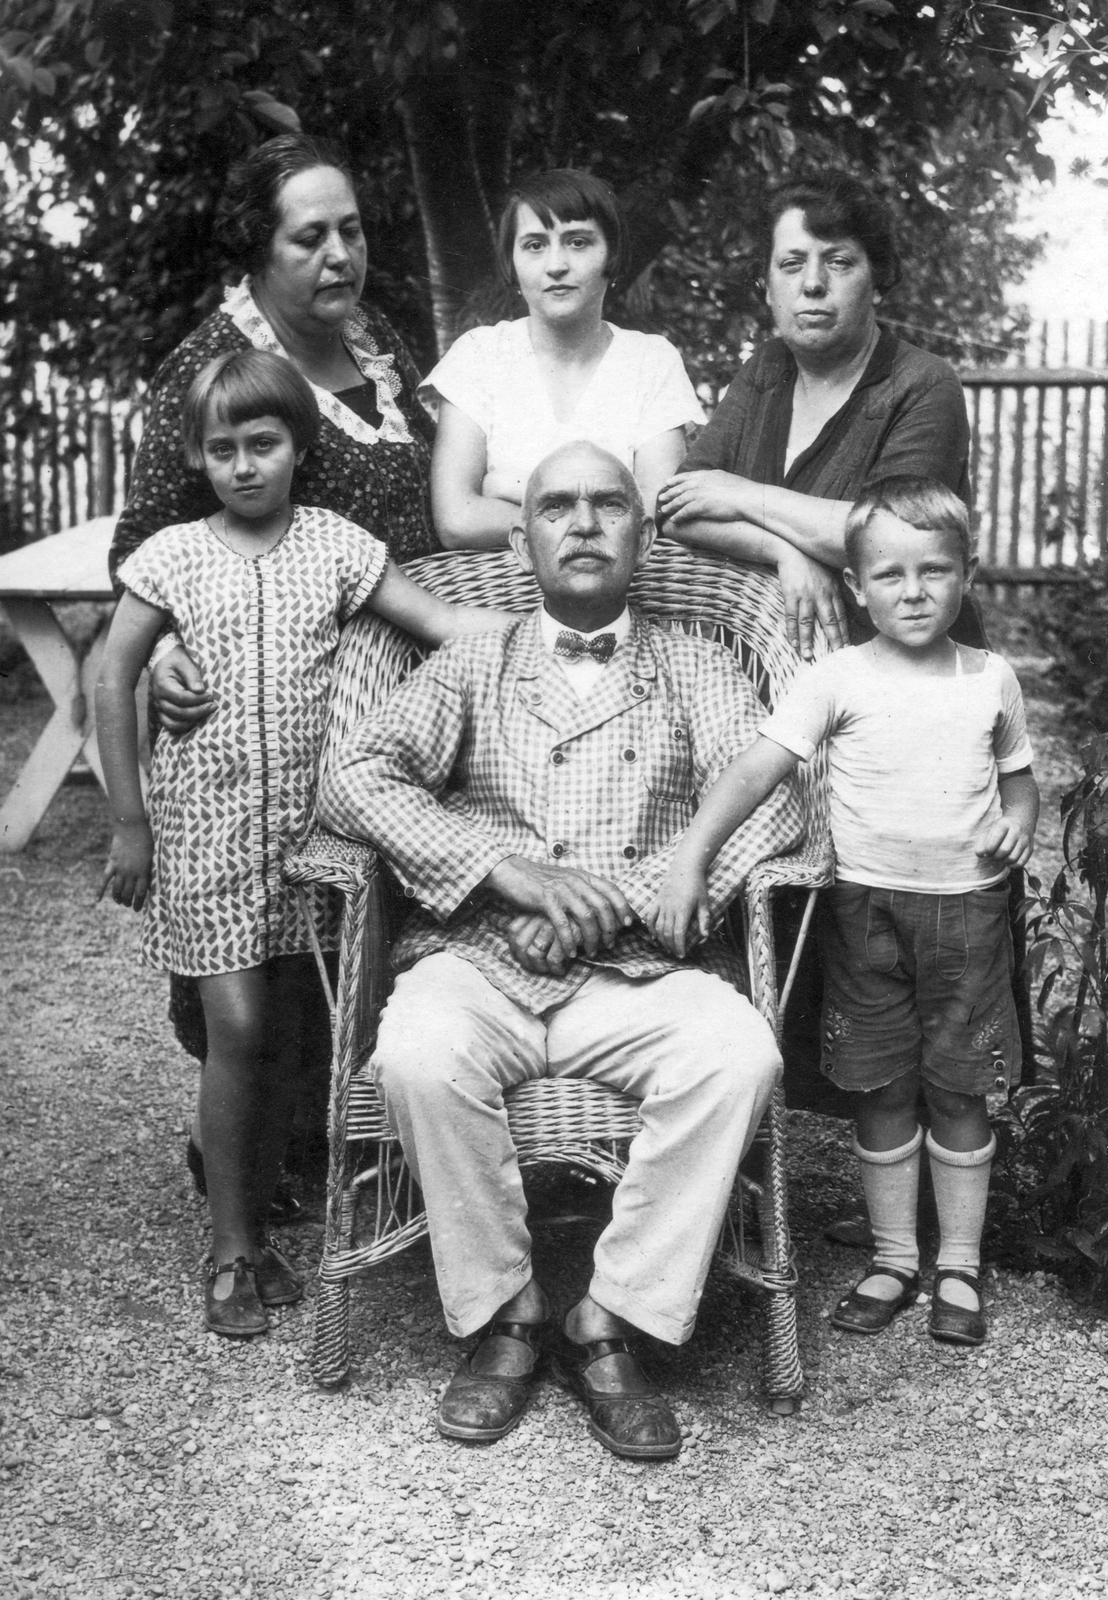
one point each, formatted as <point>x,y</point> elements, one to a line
<point>328,858</point>
<point>806,868</point>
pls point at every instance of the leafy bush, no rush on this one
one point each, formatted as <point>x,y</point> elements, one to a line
<point>1072,621</point>
<point>1054,1133</point>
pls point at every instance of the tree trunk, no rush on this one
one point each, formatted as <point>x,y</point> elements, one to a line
<point>457,227</point>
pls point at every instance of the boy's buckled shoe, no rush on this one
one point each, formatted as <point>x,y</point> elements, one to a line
<point>956,1324</point>
<point>868,1313</point>
<point>483,1406</point>
<point>634,1420</point>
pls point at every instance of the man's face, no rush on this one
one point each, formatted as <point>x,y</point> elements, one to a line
<point>584,536</point>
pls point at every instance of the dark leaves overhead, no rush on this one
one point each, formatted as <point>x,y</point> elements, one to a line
<point>134,111</point>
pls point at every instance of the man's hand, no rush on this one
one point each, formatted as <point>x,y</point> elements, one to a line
<point>812,594</point>
<point>127,874</point>
<point>711,494</point>
<point>534,944</point>
<point>585,911</point>
<point>1008,843</point>
<point>181,698</point>
<point>681,908</point>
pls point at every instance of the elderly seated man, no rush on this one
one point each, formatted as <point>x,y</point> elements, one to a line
<point>527,788</point>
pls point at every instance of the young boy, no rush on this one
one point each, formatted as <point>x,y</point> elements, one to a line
<point>932,801</point>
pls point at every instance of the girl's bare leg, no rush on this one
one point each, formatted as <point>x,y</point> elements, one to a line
<point>286,980</point>
<point>232,1095</point>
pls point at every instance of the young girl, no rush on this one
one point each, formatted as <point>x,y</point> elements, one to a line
<point>932,801</point>
<point>258,592</point>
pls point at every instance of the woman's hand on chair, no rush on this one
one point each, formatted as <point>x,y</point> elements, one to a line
<point>812,594</point>
<point>181,698</point>
<point>709,494</point>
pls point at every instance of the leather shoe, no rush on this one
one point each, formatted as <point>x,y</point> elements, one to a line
<point>483,1406</point>
<point>852,1230</point>
<point>239,1314</point>
<point>278,1284</point>
<point>633,1420</point>
<point>868,1313</point>
<point>956,1324</point>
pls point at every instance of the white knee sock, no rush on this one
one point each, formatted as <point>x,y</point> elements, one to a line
<point>960,1179</point>
<point>890,1179</point>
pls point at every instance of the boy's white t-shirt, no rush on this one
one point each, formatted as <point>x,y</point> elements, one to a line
<point>913,765</point>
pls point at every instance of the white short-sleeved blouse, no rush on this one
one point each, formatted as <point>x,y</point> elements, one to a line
<point>639,389</point>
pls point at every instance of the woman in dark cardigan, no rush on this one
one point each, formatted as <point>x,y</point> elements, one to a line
<point>290,224</point>
<point>831,404</point>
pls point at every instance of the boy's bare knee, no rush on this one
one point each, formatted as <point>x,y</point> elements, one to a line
<point>899,1096</point>
<point>951,1106</point>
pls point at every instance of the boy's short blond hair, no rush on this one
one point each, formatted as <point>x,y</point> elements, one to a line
<point>920,502</point>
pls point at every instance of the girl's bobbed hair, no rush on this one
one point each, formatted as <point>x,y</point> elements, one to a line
<point>564,194</point>
<point>920,502</point>
<point>837,206</point>
<point>242,385</point>
<point>250,208</point>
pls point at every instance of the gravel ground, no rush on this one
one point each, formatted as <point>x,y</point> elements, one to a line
<point>140,1456</point>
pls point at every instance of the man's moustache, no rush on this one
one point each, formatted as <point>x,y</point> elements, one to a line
<point>585,550</point>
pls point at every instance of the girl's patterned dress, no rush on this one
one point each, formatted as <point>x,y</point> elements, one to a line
<point>229,799</point>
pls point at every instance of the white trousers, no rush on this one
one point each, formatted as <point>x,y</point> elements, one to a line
<point>694,1052</point>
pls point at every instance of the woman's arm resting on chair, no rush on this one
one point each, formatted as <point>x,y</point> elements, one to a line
<point>465,517</point>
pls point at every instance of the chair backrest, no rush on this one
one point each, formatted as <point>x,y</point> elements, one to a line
<point>729,603</point>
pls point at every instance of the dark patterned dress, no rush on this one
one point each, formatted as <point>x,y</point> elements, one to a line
<point>228,800</point>
<point>377,477</point>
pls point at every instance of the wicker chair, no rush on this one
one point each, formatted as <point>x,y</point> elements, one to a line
<point>581,1124</point>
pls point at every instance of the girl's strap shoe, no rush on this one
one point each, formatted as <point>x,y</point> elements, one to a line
<point>233,1309</point>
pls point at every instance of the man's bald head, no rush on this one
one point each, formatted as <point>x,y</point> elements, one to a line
<point>568,455</point>
<point>582,533</point>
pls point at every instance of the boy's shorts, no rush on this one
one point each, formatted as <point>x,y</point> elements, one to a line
<point>918,981</point>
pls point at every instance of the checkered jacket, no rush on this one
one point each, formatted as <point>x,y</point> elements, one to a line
<point>485,752</point>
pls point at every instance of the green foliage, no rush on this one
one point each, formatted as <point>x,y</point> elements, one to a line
<point>1072,621</point>
<point>1055,1132</point>
<point>130,111</point>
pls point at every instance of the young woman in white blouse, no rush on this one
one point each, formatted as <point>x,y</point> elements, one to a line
<point>510,394</point>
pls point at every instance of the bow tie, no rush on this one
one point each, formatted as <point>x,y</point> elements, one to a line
<point>573,645</point>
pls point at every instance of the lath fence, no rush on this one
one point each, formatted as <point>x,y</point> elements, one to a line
<point>66,451</point>
<point>1039,460</point>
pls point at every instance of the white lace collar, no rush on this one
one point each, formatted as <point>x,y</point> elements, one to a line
<point>376,365</point>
